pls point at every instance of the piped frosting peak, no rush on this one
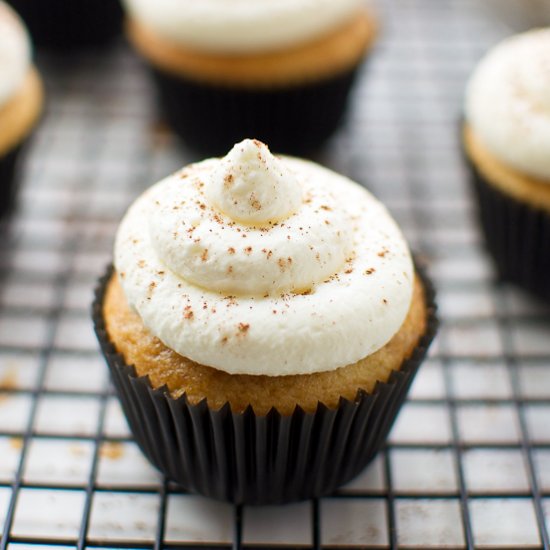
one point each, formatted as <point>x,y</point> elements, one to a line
<point>252,186</point>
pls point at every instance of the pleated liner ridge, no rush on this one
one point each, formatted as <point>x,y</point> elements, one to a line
<point>251,459</point>
<point>517,235</point>
<point>296,119</point>
<point>9,180</point>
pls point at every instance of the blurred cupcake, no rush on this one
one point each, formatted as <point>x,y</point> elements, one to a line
<point>262,324</point>
<point>519,15</point>
<point>506,138</point>
<point>279,70</point>
<point>71,23</point>
<point>21,100</point>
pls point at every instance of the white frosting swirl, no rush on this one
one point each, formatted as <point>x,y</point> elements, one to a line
<point>242,25</point>
<point>320,279</point>
<point>15,53</point>
<point>508,102</point>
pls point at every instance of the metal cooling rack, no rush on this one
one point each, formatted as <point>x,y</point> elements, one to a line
<point>468,461</point>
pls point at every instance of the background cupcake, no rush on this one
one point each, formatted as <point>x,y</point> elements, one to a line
<point>507,142</point>
<point>21,100</point>
<point>274,319</point>
<point>69,23</point>
<point>281,71</point>
<point>520,15</point>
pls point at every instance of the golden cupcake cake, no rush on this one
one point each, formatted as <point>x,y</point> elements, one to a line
<point>262,323</point>
<point>281,71</point>
<point>506,138</point>
<point>21,100</point>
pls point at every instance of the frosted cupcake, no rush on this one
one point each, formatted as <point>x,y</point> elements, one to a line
<point>21,101</point>
<point>263,323</point>
<point>279,70</point>
<point>507,142</point>
<point>71,23</point>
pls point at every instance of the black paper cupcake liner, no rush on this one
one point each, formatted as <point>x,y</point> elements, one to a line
<point>66,23</point>
<point>9,180</point>
<point>517,235</point>
<point>212,118</point>
<point>259,459</point>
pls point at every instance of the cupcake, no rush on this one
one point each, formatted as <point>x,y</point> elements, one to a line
<point>519,14</point>
<point>21,101</point>
<point>262,323</point>
<point>281,71</point>
<point>71,23</point>
<point>506,138</point>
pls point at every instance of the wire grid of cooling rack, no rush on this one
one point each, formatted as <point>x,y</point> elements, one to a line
<point>468,461</point>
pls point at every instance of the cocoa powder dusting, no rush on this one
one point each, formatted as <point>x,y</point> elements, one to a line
<point>188,313</point>
<point>255,203</point>
<point>282,263</point>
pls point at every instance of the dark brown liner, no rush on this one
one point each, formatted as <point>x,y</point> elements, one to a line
<point>9,180</point>
<point>252,459</point>
<point>295,119</point>
<point>63,23</point>
<point>517,235</point>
